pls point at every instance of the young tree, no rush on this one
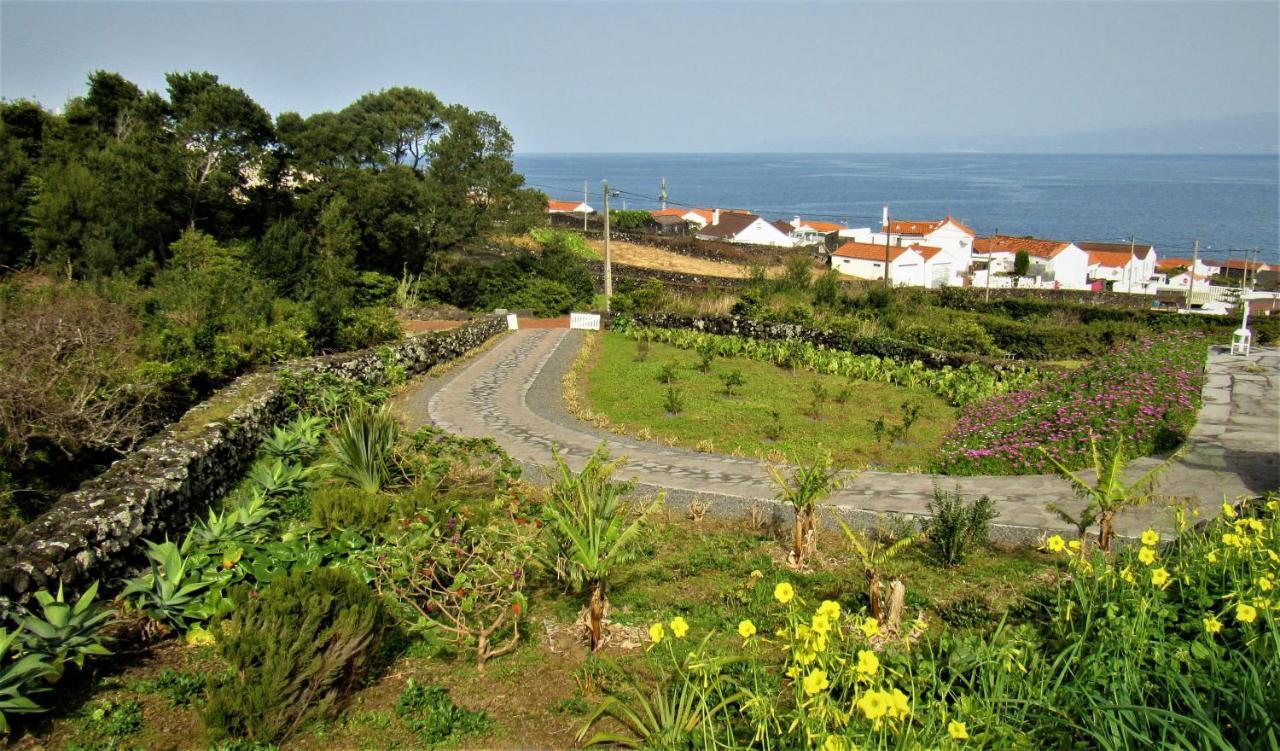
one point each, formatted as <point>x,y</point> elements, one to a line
<point>806,487</point>
<point>1021,263</point>
<point>872,558</point>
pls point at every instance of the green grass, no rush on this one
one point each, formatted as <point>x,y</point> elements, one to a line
<point>630,394</point>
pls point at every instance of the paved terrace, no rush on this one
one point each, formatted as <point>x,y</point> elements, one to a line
<point>513,393</point>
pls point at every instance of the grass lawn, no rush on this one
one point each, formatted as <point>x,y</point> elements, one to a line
<point>629,392</point>
<point>540,695</point>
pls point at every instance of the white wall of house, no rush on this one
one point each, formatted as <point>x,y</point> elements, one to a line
<point>907,270</point>
<point>955,241</point>
<point>759,232</point>
<point>858,268</point>
<point>1070,268</point>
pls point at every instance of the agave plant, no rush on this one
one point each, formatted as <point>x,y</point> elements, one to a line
<point>277,478</point>
<point>592,531</point>
<point>670,716</point>
<point>169,592</point>
<point>19,679</point>
<point>66,632</point>
<point>237,524</point>
<point>804,490</point>
<point>363,448</point>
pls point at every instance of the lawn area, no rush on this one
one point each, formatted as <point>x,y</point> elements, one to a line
<point>630,393</point>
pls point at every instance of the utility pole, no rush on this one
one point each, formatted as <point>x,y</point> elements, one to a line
<point>608,258</point>
<point>886,246</point>
<point>662,193</point>
<point>1227,265</point>
<point>584,203</point>
<point>1256,253</point>
<point>1195,261</point>
<point>991,252</point>
<point>1128,272</point>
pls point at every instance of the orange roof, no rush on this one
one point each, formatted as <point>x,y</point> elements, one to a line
<point>927,251</point>
<point>1165,264</point>
<point>1110,258</point>
<point>908,227</point>
<point>554,205</point>
<point>668,212</point>
<point>868,251</point>
<point>1033,246</point>
<point>1250,265</point>
<point>823,227</point>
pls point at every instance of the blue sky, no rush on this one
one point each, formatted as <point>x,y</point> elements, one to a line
<point>632,77</point>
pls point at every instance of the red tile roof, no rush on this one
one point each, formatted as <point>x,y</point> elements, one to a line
<point>1033,246</point>
<point>554,205</point>
<point>926,251</point>
<point>908,227</point>
<point>730,224</point>
<point>823,227</point>
<point>868,251</point>
<point>1241,265</point>
<point>1110,258</point>
<point>1167,264</point>
<point>1139,251</point>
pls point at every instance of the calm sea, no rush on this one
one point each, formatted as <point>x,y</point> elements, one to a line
<point>1169,201</point>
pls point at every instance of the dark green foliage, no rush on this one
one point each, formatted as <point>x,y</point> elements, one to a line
<point>1021,263</point>
<point>826,290</point>
<point>970,611</point>
<point>799,272</point>
<point>295,650</point>
<point>628,219</point>
<point>103,724</point>
<point>669,373</point>
<point>674,402</point>
<point>178,688</point>
<point>434,718</point>
<point>732,380</point>
<point>346,507</point>
<point>956,528</point>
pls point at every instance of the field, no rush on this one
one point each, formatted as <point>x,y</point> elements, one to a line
<point>632,395</point>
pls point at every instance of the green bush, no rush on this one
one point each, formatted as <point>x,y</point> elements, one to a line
<point>295,652</point>
<point>563,240</point>
<point>363,448</point>
<point>434,718</point>
<point>345,507</point>
<point>955,527</point>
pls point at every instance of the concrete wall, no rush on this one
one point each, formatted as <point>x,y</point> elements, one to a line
<point>96,532</point>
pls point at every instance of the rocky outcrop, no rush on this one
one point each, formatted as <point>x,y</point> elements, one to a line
<point>96,532</point>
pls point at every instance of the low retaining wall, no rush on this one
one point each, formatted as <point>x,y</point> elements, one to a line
<point>671,278</point>
<point>879,346</point>
<point>96,531</point>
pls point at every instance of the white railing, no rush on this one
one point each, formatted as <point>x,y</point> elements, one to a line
<point>587,321</point>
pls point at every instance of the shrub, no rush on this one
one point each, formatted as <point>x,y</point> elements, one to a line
<point>955,527</point>
<point>434,718</point>
<point>668,374</point>
<point>295,651</point>
<point>732,380</point>
<point>344,507</point>
<point>363,446</point>
<point>674,402</point>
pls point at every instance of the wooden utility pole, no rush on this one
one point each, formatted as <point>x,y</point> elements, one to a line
<point>1195,261</point>
<point>1227,265</point>
<point>662,193</point>
<point>584,203</point>
<point>886,246</point>
<point>608,258</point>
<point>991,252</point>
<point>1128,272</point>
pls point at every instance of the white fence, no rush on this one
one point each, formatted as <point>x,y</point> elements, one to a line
<point>588,321</point>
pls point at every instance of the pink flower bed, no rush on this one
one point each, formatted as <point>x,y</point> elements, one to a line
<point>1147,391</point>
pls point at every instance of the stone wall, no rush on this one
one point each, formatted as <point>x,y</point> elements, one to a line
<point>96,532</point>
<point>862,345</point>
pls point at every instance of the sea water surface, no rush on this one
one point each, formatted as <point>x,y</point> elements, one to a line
<point>1168,201</point>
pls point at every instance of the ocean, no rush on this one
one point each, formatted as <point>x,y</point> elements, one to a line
<point>1167,201</point>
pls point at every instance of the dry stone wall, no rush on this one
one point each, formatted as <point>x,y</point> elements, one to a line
<point>97,531</point>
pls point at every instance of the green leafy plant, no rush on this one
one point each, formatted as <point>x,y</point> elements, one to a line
<point>706,356</point>
<point>104,723</point>
<point>432,716</point>
<point>669,373</point>
<point>819,393</point>
<point>20,679</point>
<point>591,530</point>
<point>246,519</point>
<point>178,688</point>
<point>66,632</point>
<point>669,715</point>
<point>345,507</point>
<point>803,489</point>
<point>363,448</point>
<point>773,431</point>
<point>296,650</point>
<point>871,557</point>
<point>277,478</point>
<point>674,402</point>
<point>732,380</point>
<point>955,527</point>
<point>642,349</point>
<point>296,441</point>
<point>169,593</point>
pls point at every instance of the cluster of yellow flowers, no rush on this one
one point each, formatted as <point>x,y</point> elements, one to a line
<point>679,627</point>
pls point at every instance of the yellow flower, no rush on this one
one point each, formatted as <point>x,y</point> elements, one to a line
<point>1273,505</point>
<point>757,574</point>
<point>868,663</point>
<point>805,656</point>
<point>793,672</point>
<point>1147,556</point>
<point>1256,526</point>
<point>1075,545</point>
<point>656,632</point>
<point>821,624</point>
<point>1055,544</point>
<point>1127,575</point>
<point>815,682</point>
<point>1211,556</point>
<point>1160,578</point>
<point>819,643</point>
<point>1212,625</point>
<point>746,629</point>
<point>1233,540</point>
<point>1150,537</point>
<point>1228,511</point>
<point>1264,584</point>
<point>835,743</point>
<point>783,592</point>
<point>679,626</point>
<point>830,608</point>
<point>874,705</point>
<point>870,627</point>
<point>899,705</point>
<point>1245,613</point>
<point>957,730</point>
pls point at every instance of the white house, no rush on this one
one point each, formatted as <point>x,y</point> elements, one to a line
<point>812,232</point>
<point>942,267</point>
<point>741,227</point>
<point>696,217</point>
<point>946,233</point>
<point>1126,266</point>
<point>568,207</point>
<point>1063,263</point>
<point>866,261</point>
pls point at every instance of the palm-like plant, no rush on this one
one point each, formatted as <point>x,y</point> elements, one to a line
<point>806,487</point>
<point>168,593</point>
<point>872,558</point>
<point>66,632</point>
<point>363,448</point>
<point>1109,493</point>
<point>18,679</point>
<point>592,529</point>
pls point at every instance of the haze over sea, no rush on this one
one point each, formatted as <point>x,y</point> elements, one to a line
<point>1168,201</point>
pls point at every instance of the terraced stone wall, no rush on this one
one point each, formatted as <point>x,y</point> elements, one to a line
<point>96,532</point>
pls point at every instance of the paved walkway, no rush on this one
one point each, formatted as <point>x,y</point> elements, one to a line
<point>513,393</point>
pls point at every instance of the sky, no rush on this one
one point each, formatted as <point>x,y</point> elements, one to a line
<point>689,77</point>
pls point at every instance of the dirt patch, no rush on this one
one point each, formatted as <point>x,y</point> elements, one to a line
<point>649,257</point>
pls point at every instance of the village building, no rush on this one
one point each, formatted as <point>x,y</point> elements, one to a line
<point>1064,264</point>
<point>867,261</point>
<point>1126,266</point>
<point>743,227</point>
<point>953,237</point>
<point>698,218</point>
<point>813,232</point>
<point>568,207</point>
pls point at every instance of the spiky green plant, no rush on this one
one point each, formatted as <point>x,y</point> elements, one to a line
<point>20,679</point>
<point>806,487</point>
<point>277,478</point>
<point>169,592</point>
<point>592,529</point>
<point>66,632</point>
<point>363,448</point>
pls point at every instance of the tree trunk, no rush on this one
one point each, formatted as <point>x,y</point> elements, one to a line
<point>897,600</point>
<point>482,652</point>
<point>873,590</point>
<point>1105,531</point>
<point>798,538</point>
<point>597,615</point>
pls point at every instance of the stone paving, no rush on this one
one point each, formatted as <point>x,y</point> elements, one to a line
<point>513,393</point>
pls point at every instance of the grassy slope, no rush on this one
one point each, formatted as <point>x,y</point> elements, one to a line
<point>629,393</point>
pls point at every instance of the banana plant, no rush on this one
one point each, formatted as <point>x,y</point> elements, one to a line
<point>20,679</point>
<point>66,632</point>
<point>169,592</point>
<point>806,487</point>
<point>872,558</point>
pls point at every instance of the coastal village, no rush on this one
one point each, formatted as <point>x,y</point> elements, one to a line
<point>947,253</point>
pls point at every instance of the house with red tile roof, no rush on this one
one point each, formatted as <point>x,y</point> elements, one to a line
<point>1128,267</point>
<point>954,237</point>
<point>743,227</point>
<point>1063,263</point>
<point>568,207</point>
<point>812,231</point>
<point>867,261</point>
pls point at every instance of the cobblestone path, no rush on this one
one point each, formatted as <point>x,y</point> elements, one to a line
<point>513,393</point>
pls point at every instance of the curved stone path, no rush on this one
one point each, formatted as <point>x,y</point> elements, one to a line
<point>513,393</point>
